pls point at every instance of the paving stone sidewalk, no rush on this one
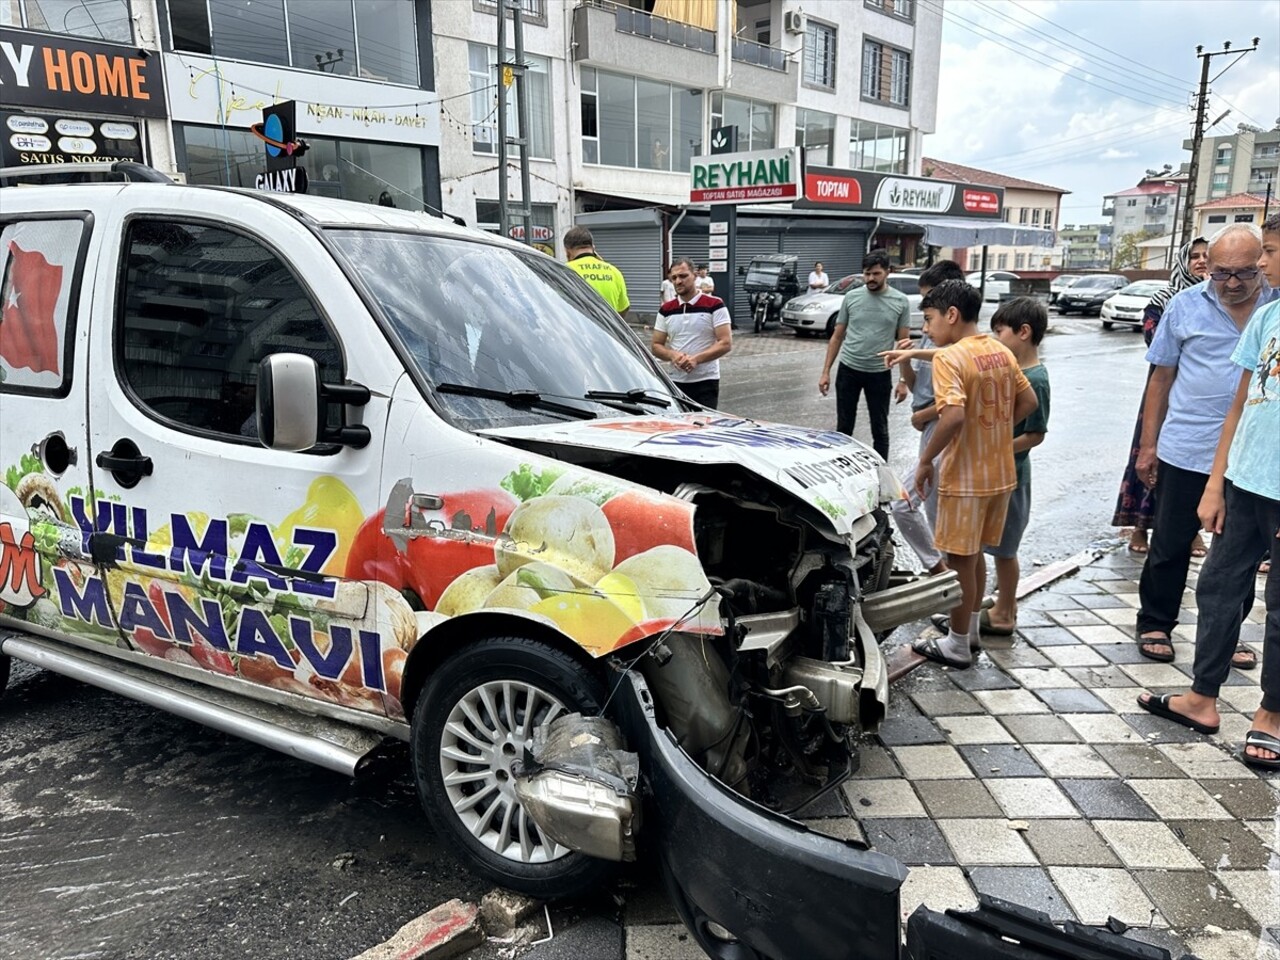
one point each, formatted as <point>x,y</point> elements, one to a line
<point>1034,776</point>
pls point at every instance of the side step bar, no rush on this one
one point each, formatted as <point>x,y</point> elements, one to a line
<point>327,743</point>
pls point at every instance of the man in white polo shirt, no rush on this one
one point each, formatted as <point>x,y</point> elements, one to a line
<point>693,332</point>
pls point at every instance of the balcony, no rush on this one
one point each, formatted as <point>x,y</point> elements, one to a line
<point>611,34</point>
<point>1109,211</point>
<point>771,58</point>
<point>763,72</point>
<point>1259,187</point>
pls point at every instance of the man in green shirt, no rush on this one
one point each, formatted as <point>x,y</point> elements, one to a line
<point>872,319</point>
<point>604,277</point>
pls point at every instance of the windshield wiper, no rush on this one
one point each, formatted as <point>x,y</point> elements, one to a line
<point>635,395</point>
<point>515,398</point>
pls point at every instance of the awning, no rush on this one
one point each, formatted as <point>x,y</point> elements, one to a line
<point>971,232</point>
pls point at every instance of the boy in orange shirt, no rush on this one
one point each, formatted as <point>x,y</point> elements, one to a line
<point>980,394</point>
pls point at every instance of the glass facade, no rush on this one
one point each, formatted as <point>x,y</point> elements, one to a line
<point>816,132</point>
<point>633,122</point>
<point>877,147</point>
<point>386,173</point>
<point>96,19</point>
<point>756,120</point>
<point>370,39</point>
<point>483,66</point>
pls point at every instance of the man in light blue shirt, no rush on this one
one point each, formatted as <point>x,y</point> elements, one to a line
<point>1188,396</point>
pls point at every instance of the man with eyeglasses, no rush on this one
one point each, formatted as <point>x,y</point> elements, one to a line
<point>1188,396</point>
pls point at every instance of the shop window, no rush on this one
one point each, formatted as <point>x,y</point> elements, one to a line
<point>819,54</point>
<point>631,122</point>
<point>543,215</point>
<point>753,118</point>
<point>483,66</point>
<point>385,173</point>
<point>98,19</point>
<point>39,260</point>
<point>877,147</point>
<point>816,132</point>
<point>372,39</point>
<point>201,307</point>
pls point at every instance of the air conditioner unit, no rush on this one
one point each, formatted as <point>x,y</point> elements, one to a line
<point>793,21</point>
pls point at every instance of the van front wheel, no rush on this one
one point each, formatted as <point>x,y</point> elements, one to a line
<point>473,720</point>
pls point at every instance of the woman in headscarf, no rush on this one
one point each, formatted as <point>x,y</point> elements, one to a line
<point>1136,504</point>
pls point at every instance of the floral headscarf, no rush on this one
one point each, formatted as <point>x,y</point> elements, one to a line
<point>1180,277</point>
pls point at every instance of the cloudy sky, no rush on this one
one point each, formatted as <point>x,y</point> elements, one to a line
<point>1087,94</point>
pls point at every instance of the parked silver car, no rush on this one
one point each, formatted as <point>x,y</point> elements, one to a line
<point>815,313</point>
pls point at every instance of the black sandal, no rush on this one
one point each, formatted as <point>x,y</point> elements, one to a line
<point>930,650</point>
<point>1162,641</point>
<point>1249,661</point>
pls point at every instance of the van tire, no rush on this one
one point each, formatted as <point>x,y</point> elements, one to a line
<point>533,671</point>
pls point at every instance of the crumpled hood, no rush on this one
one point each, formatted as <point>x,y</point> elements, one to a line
<point>838,475</point>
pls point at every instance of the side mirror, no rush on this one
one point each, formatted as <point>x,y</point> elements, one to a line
<point>292,405</point>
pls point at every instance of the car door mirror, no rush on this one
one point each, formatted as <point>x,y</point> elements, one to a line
<point>292,405</point>
<point>289,404</point>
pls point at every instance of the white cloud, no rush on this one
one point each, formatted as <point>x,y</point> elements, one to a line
<point>1111,153</point>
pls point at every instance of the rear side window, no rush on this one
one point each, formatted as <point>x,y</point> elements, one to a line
<point>39,274</point>
<point>200,307</point>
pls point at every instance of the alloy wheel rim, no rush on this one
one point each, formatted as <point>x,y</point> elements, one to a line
<point>486,732</point>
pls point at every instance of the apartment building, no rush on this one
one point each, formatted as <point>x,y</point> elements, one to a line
<point>1242,162</point>
<point>1153,207</point>
<point>1085,247</point>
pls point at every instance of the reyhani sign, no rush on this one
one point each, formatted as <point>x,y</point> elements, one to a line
<point>755,176</point>
<point>878,193</point>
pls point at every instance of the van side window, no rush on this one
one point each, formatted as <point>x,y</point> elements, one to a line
<point>39,263</point>
<point>200,306</point>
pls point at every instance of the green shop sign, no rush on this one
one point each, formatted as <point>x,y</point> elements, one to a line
<point>757,176</point>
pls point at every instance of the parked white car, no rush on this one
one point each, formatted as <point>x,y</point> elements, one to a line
<point>816,312</point>
<point>1060,283</point>
<point>997,283</point>
<point>1127,305</point>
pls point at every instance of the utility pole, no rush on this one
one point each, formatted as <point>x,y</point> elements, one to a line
<point>1202,111</point>
<point>509,72</point>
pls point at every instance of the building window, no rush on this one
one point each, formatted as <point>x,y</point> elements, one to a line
<point>975,261</point>
<point>98,19</point>
<point>1019,261</point>
<point>819,54</point>
<point>1218,218</point>
<point>530,9</point>
<point>1131,202</point>
<point>1224,154</point>
<point>386,173</point>
<point>1002,261</point>
<point>1267,151</point>
<point>898,8</point>
<point>754,119</point>
<point>370,39</point>
<point>633,122</point>
<point>483,64</point>
<point>816,132</point>
<point>1243,218</point>
<point>1220,182</point>
<point>1022,215</point>
<point>1048,218</point>
<point>886,74</point>
<point>874,146</point>
<point>900,79</point>
<point>1035,217</point>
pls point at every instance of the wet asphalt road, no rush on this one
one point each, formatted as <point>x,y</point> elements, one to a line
<point>128,833</point>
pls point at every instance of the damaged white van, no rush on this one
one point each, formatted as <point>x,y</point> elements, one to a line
<point>320,473</point>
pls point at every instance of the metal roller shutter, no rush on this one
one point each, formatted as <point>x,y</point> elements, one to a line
<point>636,250</point>
<point>751,243</point>
<point>840,251</point>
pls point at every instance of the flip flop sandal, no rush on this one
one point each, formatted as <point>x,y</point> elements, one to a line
<point>985,624</point>
<point>1160,707</point>
<point>1244,658</point>
<point>1139,548</point>
<point>1144,642</point>
<point>1265,741</point>
<point>930,650</point>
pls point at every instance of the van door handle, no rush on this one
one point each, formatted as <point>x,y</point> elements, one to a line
<point>125,462</point>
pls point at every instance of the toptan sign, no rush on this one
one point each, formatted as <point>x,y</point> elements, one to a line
<point>755,176</point>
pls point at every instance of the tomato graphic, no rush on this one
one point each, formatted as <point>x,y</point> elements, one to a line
<point>642,521</point>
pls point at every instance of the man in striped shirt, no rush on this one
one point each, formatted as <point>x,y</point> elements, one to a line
<point>693,332</point>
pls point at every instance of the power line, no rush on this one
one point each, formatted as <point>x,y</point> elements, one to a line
<point>1057,144</point>
<point>1157,87</point>
<point>989,35</point>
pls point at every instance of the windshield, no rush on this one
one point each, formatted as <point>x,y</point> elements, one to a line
<point>480,315</point>
<point>1143,288</point>
<point>763,272</point>
<point>1092,282</point>
<point>903,284</point>
<point>846,283</point>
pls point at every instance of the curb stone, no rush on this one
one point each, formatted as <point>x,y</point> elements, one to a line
<point>444,931</point>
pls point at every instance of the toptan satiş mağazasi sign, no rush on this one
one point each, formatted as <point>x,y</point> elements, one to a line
<point>750,177</point>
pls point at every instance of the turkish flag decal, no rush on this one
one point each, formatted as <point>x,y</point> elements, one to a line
<point>28,335</point>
